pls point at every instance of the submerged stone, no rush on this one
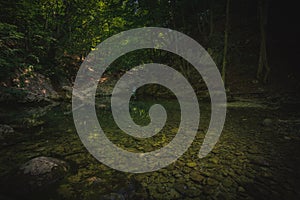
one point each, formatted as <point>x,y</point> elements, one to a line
<point>181,188</point>
<point>196,176</point>
<point>214,160</point>
<point>227,182</point>
<point>191,164</point>
<point>267,122</point>
<point>211,182</point>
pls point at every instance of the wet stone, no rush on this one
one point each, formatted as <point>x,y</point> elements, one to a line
<point>240,159</point>
<point>181,188</point>
<point>176,174</point>
<point>267,122</point>
<point>214,160</point>
<point>186,191</point>
<point>173,194</point>
<point>286,138</point>
<point>111,196</point>
<point>259,160</point>
<point>161,190</point>
<point>187,176</point>
<point>211,182</point>
<point>193,192</point>
<point>191,164</point>
<point>227,182</point>
<point>186,170</point>
<point>196,176</point>
<point>241,189</point>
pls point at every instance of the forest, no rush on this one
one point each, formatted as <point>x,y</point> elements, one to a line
<point>46,130</point>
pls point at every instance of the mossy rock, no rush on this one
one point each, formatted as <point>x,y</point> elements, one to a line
<point>35,175</point>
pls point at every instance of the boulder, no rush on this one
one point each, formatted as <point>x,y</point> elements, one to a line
<point>41,171</point>
<point>33,177</point>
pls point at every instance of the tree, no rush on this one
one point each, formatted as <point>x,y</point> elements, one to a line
<point>225,42</point>
<point>263,60</point>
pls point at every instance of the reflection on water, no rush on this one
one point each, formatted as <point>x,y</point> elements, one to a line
<point>249,162</point>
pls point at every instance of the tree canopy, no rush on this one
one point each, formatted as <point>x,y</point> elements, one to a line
<point>53,36</point>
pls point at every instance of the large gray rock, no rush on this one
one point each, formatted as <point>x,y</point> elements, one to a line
<point>42,171</point>
<point>33,177</point>
<point>43,165</point>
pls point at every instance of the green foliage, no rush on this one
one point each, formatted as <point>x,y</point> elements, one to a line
<point>54,36</point>
<point>11,52</point>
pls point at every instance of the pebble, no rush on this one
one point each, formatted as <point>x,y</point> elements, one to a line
<point>196,176</point>
<point>241,189</point>
<point>267,122</point>
<point>191,164</point>
<point>214,160</point>
<point>211,182</point>
<point>227,182</point>
<point>287,138</point>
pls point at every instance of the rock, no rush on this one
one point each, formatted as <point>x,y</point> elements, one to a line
<point>211,182</point>
<point>186,170</point>
<point>258,160</point>
<point>41,171</point>
<point>286,138</point>
<point>5,131</point>
<point>129,190</point>
<point>35,176</point>
<point>112,196</point>
<point>191,164</point>
<point>173,194</point>
<point>227,182</point>
<point>209,191</point>
<point>196,176</point>
<point>214,160</point>
<point>241,189</point>
<point>176,174</point>
<point>181,188</point>
<point>179,163</point>
<point>43,165</point>
<point>267,122</point>
<point>186,191</point>
<point>186,176</point>
<point>161,190</point>
<point>193,193</point>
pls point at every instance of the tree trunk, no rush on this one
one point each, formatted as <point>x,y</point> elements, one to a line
<point>211,19</point>
<point>263,66</point>
<point>225,43</point>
